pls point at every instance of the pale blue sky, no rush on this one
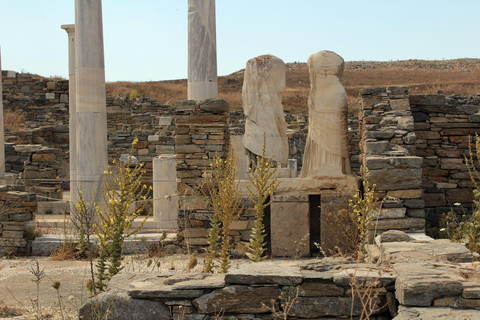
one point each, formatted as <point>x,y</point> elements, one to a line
<point>147,39</point>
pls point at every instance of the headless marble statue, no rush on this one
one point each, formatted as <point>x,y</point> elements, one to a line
<point>326,150</point>
<point>263,84</point>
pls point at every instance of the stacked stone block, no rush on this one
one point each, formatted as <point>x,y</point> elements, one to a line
<point>444,126</point>
<point>42,169</point>
<point>387,144</point>
<point>201,134</point>
<point>17,209</point>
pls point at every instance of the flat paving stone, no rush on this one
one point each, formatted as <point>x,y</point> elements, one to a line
<point>280,273</point>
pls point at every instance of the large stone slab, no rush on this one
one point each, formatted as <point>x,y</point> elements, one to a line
<point>119,306</point>
<point>290,229</point>
<point>265,273</point>
<point>305,307</point>
<point>237,298</point>
<point>395,179</point>
<point>409,313</point>
<point>155,288</point>
<point>363,276</point>
<point>436,250</point>
<point>419,284</point>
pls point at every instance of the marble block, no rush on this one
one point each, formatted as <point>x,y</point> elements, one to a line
<point>290,229</point>
<point>165,198</point>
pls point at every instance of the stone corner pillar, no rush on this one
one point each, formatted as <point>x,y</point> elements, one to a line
<point>2,139</point>
<point>202,50</point>
<point>70,29</point>
<point>165,198</point>
<point>91,110</point>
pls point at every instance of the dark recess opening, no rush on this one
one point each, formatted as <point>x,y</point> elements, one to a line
<point>266,224</point>
<point>315,236</point>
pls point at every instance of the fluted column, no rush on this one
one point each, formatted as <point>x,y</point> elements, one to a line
<point>91,122</point>
<point>2,138</point>
<point>202,50</point>
<point>72,112</point>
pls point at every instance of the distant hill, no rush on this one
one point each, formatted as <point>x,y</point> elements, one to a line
<point>459,76</point>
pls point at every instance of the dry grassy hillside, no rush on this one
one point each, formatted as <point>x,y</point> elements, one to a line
<point>460,76</point>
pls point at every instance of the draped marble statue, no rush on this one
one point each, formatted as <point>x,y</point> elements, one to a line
<point>263,84</point>
<point>326,150</point>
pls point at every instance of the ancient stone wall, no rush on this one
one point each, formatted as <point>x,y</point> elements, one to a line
<point>444,126</point>
<point>387,144</point>
<point>201,134</point>
<point>17,209</point>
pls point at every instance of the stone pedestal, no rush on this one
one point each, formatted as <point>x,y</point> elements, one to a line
<point>72,115</point>
<point>290,226</point>
<point>2,139</point>
<point>202,50</point>
<point>165,198</point>
<point>91,122</point>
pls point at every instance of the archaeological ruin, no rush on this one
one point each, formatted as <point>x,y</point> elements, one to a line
<point>412,148</point>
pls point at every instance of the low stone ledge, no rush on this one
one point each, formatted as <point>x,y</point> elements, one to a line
<point>265,273</point>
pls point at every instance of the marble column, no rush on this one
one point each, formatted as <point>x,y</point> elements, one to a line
<point>165,198</point>
<point>202,50</point>
<point>72,112</point>
<point>91,117</point>
<point>2,139</point>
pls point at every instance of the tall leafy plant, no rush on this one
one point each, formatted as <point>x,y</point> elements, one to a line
<point>122,187</point>
<point>225,198</point>
<point>263,187</point>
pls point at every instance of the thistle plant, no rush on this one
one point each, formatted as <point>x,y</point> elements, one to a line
<point>262,189</point>
<point>225,199</point>
<point>122,188</point>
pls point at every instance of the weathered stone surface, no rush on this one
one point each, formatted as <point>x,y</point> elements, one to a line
<point>290,229</point>
<point>427,100</point>
<point>471,290</point>
<point>414,203</point>
<point>418,284</point>
<point>432,135</point>
<point>265,273</point>
<point>388,213</point>
<point>119,306</point>
<point>318,289</point>
<point>188,148</point>
<point>363,275</point>
<point>394,236</point>
<point>406,194</point>
<point>241,299</point>
<point>154,288</point>
<point>214,105</point>
<point>376,148</point>
<point>426,250</point>
<point>206,282</point>
<point>409,313</point>
<point>406,223</point>
<point>329,306</point>
<point>435,200</point>
<point>396,179</point>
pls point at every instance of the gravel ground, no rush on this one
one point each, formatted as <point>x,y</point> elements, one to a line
<point>18,290</point>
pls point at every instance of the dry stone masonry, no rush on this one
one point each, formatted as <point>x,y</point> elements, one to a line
<point>387,144</point>
<point>17,214</point>
<point>445,127</point>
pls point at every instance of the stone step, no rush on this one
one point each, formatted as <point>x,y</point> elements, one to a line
<point>60,221</point>
<point>47,244</point>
